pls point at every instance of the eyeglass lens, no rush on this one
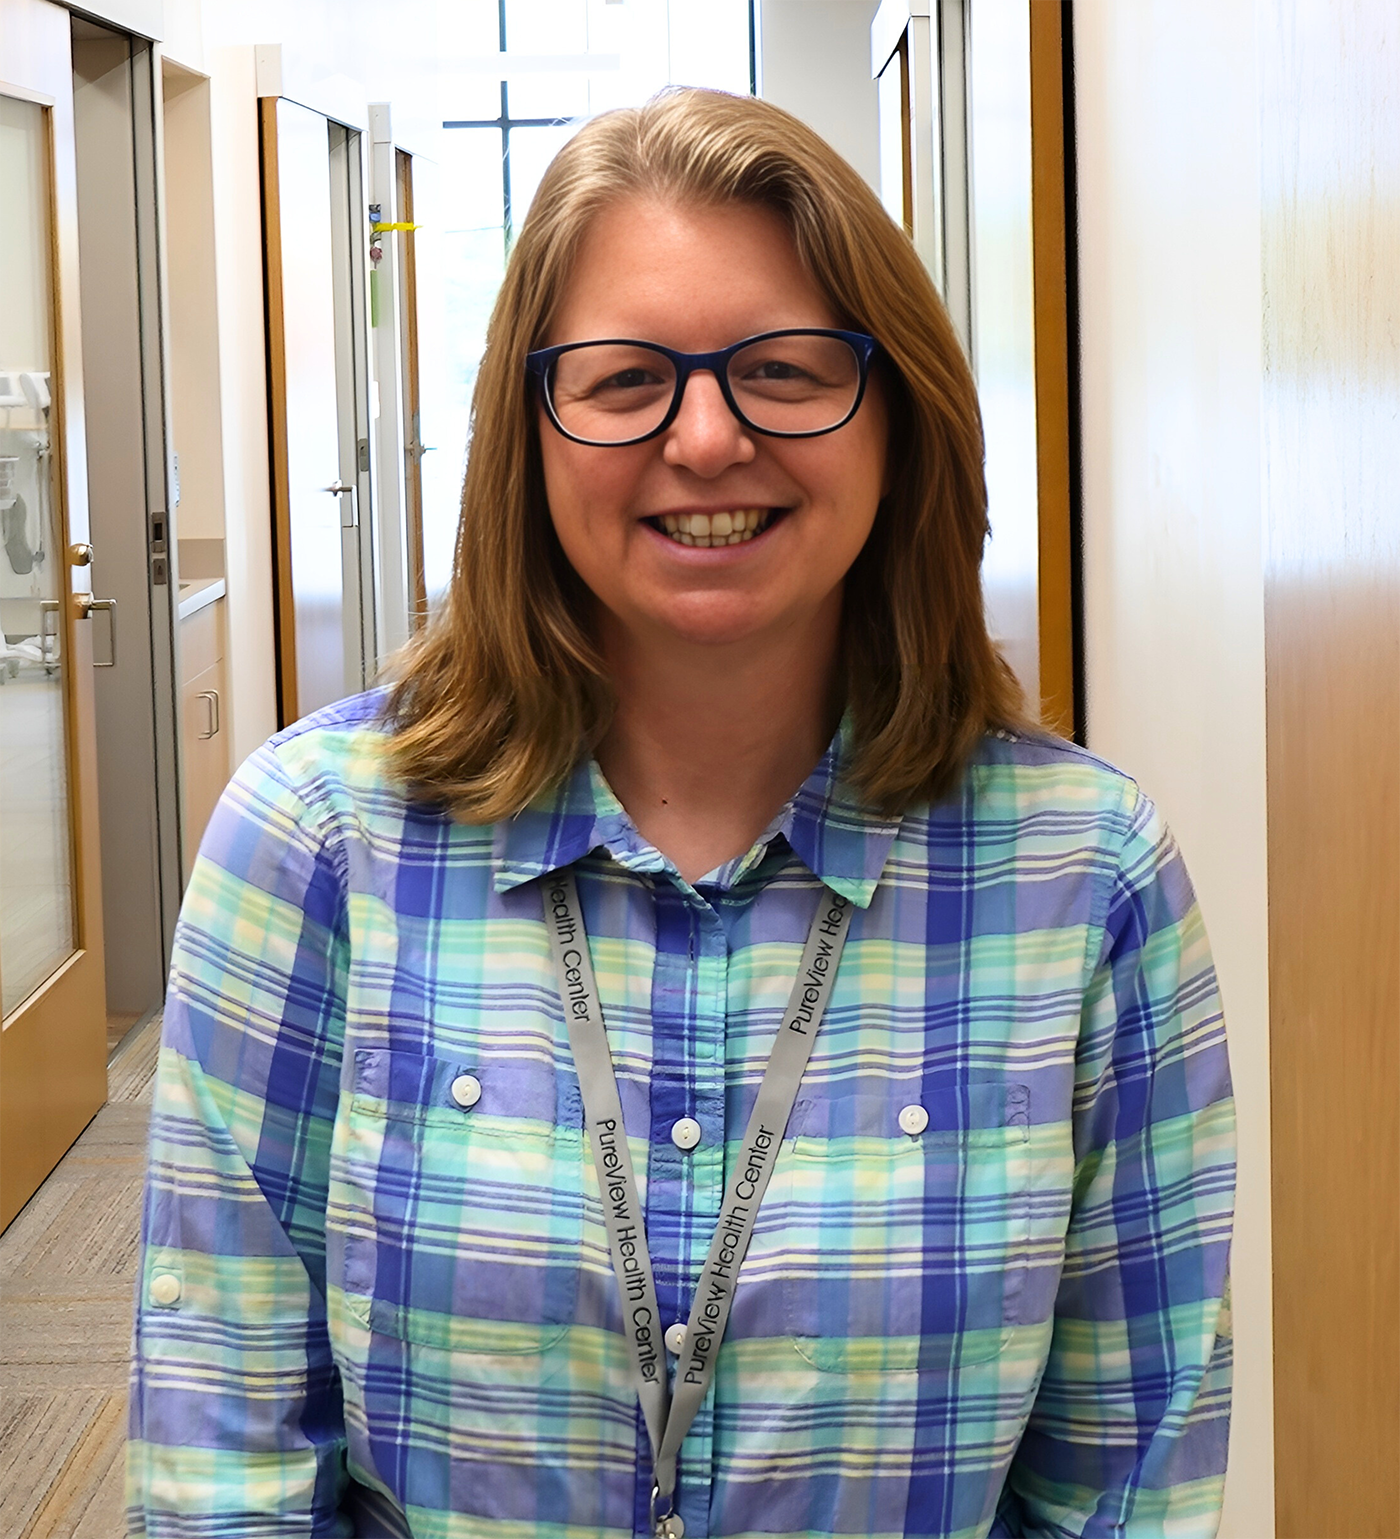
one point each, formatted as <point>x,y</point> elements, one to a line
<point>609,392</point>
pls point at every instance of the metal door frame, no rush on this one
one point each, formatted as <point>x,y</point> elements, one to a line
<point>161,505</point>
<point>346,152</point>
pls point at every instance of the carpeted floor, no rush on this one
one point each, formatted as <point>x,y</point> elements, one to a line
<point>67,1269</point>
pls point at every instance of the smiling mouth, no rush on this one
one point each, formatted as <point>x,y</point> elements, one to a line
<point>735,527</point>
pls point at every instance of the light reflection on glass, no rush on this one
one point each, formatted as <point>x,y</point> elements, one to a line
<point>36,869</point>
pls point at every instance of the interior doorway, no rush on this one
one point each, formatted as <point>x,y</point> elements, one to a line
<point>194,418</point>
<point>314,225</point>
<point>114,105</point>
<point>972,157</point>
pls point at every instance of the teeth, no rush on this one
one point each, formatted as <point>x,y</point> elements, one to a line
<point>735,527</point>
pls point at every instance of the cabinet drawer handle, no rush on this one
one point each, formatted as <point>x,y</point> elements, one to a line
<point>211,698</point>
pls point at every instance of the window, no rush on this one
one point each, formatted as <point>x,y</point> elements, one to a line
<point>519,78</point>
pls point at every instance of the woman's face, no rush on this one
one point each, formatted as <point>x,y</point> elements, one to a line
<point>697,279</point>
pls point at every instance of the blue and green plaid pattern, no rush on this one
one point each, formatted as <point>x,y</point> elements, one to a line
<point>397,1314</point>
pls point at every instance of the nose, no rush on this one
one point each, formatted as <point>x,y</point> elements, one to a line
<point>706,436</point>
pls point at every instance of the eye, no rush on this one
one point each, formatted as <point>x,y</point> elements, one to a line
<point>628,379</point>
<point>777,369</point>
<point>795,367</point>
<point>611,376</point>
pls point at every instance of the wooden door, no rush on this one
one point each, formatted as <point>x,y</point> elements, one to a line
<point>53,1042</point>
<point>309,498</point>
<point>1330,173</point>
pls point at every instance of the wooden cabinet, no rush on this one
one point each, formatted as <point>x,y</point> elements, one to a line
<point>204,740</point>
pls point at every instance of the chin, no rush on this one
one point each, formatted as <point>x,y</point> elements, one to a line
<point>710,625</point>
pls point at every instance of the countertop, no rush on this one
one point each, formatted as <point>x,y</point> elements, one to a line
<point>198,593</point>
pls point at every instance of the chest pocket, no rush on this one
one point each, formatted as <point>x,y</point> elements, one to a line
<point>466,1203</point>
<point>913,1235</point>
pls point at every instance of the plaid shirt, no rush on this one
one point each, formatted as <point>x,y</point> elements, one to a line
<point>367,1308</point>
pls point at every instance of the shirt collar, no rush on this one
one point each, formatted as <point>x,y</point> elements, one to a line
<point>838,839</point>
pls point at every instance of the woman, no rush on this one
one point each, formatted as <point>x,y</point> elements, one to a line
<point>712,698</point>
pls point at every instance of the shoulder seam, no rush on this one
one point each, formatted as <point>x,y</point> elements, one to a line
<point>321,825</point>
<point>1134,808</point>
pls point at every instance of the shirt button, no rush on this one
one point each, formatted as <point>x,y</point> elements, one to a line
<point>913,1119</point>
<point>685,1134</point>
<point>675,1339</point>
<point>165,1289</point>
<point>466,1090</point>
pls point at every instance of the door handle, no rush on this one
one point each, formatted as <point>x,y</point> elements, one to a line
<point>338,488</point>
<point>86,604</point>
<point>211,699</point>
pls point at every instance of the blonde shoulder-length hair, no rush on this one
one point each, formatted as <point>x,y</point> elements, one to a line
<point>503,692</point>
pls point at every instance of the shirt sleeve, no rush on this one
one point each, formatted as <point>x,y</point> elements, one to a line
<point>1128,1433</point>
<point>236,1425</point>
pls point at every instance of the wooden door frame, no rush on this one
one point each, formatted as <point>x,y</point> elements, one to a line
<point>283,597</point>
<point>1061,692</point>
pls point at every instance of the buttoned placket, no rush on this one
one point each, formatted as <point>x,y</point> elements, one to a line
<point>690,1047</point>
<point>685,1187</point>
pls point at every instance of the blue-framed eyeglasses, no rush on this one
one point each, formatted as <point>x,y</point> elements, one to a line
<point>797,383</point>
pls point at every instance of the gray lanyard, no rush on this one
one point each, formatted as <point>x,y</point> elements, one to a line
<point>668,1419</point>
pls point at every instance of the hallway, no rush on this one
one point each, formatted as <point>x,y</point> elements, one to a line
<point>252,252</point>
<point>67,1268</point>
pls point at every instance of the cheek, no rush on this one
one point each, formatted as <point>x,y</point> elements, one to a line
<point>588,490</point>
<point>871,482</point>
<point>561,482</point>
<point>855,481</point>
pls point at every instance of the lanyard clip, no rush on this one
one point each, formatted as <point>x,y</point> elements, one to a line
<point>668,1524</point>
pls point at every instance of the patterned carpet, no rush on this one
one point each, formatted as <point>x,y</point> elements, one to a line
<point>67,1268</point>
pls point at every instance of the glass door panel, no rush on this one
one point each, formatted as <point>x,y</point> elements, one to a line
<point>38,930</point>
<point>53,1033</point>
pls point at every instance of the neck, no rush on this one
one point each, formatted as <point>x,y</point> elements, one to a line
<point>708,742</point>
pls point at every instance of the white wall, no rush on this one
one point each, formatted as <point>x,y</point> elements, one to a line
<point>814,60</point>
<point>192,289</point>
<point>1167,126</point>
<point>383,55</point>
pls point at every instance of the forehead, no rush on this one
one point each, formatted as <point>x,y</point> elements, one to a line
<point>691,276</point>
